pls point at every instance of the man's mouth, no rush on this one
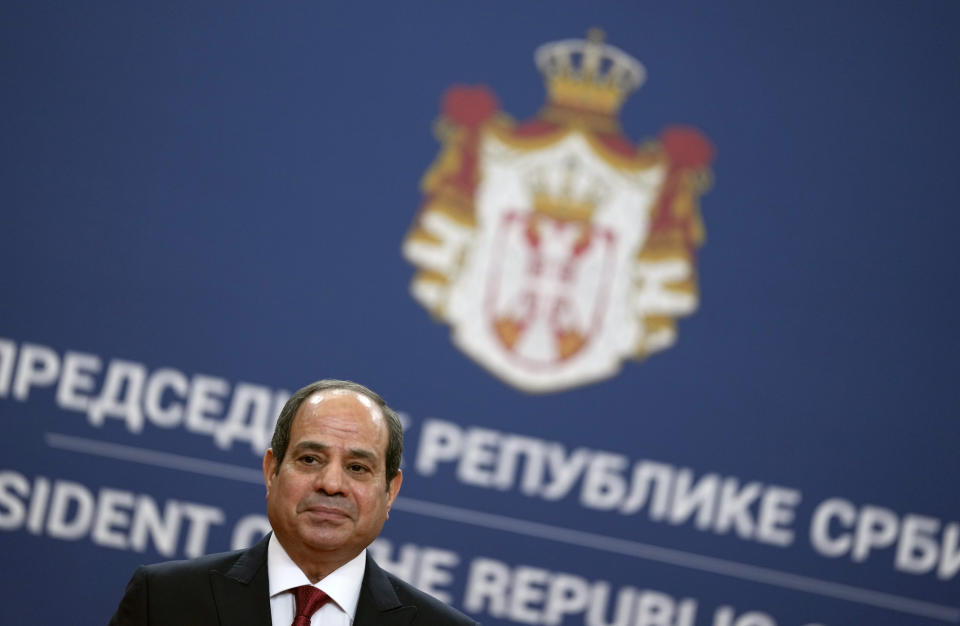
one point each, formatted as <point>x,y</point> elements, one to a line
<point>326,513</point>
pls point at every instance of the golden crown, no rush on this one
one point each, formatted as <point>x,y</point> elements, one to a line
<point>566,193</point>
<point>588,75</point>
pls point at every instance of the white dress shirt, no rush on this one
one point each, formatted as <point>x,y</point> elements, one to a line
<point>342,585</point>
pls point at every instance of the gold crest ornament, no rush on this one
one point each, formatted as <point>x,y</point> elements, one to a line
<point>557,247</point>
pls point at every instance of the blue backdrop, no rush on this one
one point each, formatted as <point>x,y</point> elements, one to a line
<point>204,206</point>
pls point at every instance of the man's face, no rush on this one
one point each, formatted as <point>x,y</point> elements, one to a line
<point>330,497</point>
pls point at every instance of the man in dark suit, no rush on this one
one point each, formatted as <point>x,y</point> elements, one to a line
<point>332,474</point>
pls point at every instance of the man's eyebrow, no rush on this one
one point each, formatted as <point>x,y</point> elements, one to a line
<point>311,445</point>
<point>360,453</point>
<point>317,446</point>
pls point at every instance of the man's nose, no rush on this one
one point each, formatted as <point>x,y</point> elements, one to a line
<point>330,479</point>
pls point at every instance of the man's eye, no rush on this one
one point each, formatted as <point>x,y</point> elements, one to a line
<point>356,467</point>
<point>309,460</point>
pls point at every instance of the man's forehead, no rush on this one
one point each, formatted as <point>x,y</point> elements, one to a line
<point>343,396</point>
<point>344,406</point>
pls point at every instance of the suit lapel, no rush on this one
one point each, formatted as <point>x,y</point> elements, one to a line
<point>378,604</point>
<point>242,592</point>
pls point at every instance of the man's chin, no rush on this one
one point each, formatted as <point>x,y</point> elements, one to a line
<point>326,537</point>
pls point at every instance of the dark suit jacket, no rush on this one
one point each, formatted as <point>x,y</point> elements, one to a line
<point>230,589</point>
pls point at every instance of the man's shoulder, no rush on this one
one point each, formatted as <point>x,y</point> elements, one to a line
<point>181,592</point>
<point>429,609</point>
<point>220,562</point>
<point>241,565</point>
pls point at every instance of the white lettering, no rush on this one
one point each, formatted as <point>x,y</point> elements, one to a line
<point>200,517</point>
<point>658,609</point>
<point>734,507</point>
<point>38,505</point>
<point>701,498</point>
<point>603,484</point>
<point>488,587</point>
<point>514,447</point>
<point>110,515</point>
<point>121,395</point>
<point>596,614</point>
<point>727,616</point>
<point>536,596</point>
<point>12,509</point>
<point>204,401</point>
<point>563,469</point>
<point>917,550</point>
<point>77,376</point>
<point>434,573</point>
<point>162,408</point>
<point>404,566</point>
<point>149,524</point>
<point>950,555</point>
<point>645,474</point>
<point>425,567</point>
<point>479,456</point>
<point>876,528</point>
<point>776,515</point>
<point>248,418</point>
<point>529,591</point>
<point>8,353</point>
<point>439,441</point>
<point>66,496</point>
<point>568,595</point>
<point>828,510</point>
<point>38,365</point>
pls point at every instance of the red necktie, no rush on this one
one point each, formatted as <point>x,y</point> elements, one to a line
<point>309,599</point>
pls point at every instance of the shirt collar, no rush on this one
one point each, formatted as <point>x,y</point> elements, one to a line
<point>342,584</point>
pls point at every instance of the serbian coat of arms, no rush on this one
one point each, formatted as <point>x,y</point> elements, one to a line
<point>557,247</point>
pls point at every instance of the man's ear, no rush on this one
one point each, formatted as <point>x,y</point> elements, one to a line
<point>269,468</point>
<point>394,489</point>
